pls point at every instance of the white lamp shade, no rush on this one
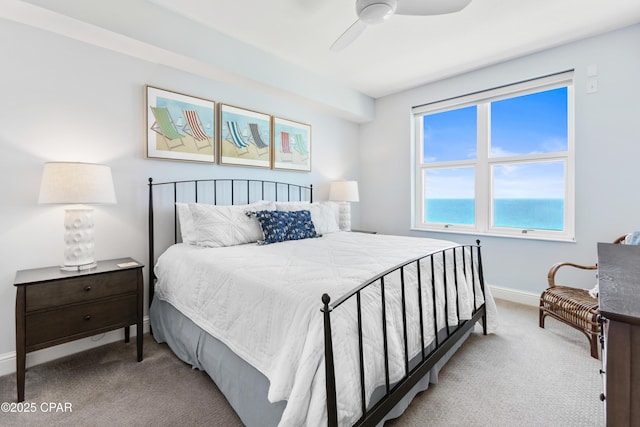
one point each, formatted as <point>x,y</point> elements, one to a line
<point>344,191</point>
<point>76,183</point>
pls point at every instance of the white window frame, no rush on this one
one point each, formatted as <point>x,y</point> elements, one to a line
<point>484,164</point>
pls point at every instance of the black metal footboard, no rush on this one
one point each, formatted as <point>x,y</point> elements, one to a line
<point>439,285</point>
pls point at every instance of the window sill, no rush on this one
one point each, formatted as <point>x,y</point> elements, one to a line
<point>469,232</point>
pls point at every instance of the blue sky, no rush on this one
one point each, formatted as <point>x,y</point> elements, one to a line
<point>534,123</point>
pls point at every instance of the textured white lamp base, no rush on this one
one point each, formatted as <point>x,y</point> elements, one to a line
<point>344,216</point>
<point>78,239</point>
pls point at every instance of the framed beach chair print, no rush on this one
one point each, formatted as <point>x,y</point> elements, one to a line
<point>179,127</point>
<point>292,145</point>
<point>245,137</point>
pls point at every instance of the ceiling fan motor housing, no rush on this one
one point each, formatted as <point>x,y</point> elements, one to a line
<point>375,11</point>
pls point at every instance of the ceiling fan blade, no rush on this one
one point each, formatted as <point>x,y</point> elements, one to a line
<point>348,36</point>
<point>430,7</point>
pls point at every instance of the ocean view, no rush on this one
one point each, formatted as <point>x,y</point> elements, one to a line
<point>543,214</point>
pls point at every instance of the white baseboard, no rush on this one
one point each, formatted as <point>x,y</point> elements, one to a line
<point>8,360</point>
<point>513,295</point>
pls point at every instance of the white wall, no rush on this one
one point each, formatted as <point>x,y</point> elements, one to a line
<point>158,35</point>
<point>607,157</point>
<point>61,99</point>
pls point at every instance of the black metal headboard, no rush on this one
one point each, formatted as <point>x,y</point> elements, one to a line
<point>216,191</point>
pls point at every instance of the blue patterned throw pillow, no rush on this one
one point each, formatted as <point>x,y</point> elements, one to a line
<point>279,226</point>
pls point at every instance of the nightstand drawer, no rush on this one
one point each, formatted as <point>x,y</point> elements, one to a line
<point>80,289</point>
<point>71,321</point>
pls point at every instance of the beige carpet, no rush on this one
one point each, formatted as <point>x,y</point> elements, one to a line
<point>521,376</point>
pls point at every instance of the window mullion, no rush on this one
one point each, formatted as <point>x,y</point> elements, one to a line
<point>537,157</point>
<point>482,186</point>
<point>418,178</point>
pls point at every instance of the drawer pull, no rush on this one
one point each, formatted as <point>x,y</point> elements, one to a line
<point>87,317</point>
<point>87,288</point>
<point>602,397</point>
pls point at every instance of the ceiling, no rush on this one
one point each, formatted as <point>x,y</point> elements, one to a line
<point>405,51</point>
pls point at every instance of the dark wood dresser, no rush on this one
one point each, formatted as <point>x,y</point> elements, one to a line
<point>619,278</point>
<point>54,306</point>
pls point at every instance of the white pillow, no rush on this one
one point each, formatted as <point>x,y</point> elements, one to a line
<point>185,219</point>
<point>292,206</point>
<point>216,226</point>
<point>327,215</point>
<point>324,215</point>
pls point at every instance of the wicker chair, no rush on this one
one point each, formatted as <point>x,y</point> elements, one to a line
<point>573,306</point>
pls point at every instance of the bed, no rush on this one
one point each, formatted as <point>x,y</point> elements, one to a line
<point>337,329</point>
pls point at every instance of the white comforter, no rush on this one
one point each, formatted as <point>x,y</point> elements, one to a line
<point>264,303</point>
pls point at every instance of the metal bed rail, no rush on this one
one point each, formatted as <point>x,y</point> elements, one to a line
<point>453,333</point>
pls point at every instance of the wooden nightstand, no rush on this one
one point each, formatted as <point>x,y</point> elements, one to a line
<point>54,306</point>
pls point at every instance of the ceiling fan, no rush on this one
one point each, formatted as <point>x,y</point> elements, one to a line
<point>371,12</point>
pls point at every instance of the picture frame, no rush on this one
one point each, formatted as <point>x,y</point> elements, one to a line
<point>291,145</point>
<point>245,137</point>
<point>179,126</point>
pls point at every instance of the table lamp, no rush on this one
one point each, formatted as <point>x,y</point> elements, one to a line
<point>77,184</point>
<point>344,192</point>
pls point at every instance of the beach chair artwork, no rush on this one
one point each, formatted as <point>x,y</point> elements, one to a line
<point>245,138</point>
<point>292,145</point>
<point>256,137</point>
<point>179,127</point>
<point>285,147</point>
<point>301,146</point>
<point>165,127</point>
<point>234,136</point>
<point>195,129</point>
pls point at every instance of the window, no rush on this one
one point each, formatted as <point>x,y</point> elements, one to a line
<point>498,162</point>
